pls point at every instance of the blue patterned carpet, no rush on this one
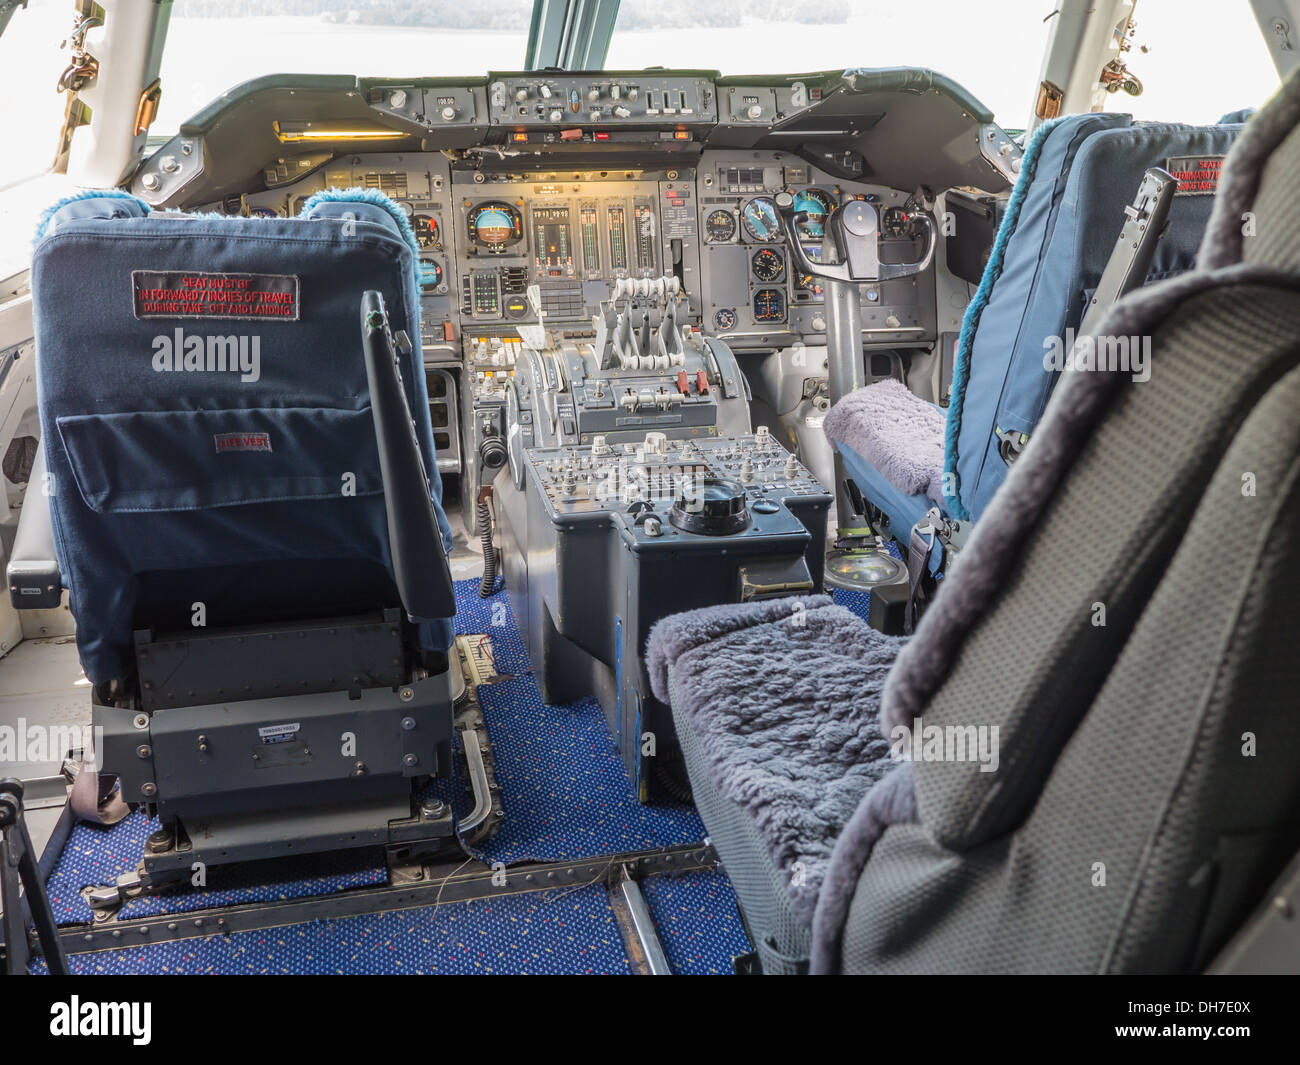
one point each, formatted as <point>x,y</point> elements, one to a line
<point>566,796</point>
<point>697,920</point>
<point>563,786</point>
<point>96,855</point>
<point>548,933</point>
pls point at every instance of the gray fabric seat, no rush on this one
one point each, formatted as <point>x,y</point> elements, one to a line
<point>1121,623</point>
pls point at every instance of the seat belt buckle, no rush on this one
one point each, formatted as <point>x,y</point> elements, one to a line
<point>1010,444</point>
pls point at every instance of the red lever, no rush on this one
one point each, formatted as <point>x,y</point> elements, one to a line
<point>683,384</point>
<point>702,382</point>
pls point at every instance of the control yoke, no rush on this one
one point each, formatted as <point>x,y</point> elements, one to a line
<point>854,229</point>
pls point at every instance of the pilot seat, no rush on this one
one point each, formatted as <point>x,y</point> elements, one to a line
<point>244,508</point>
<point>1078,176</point>
<point>1084,758</point>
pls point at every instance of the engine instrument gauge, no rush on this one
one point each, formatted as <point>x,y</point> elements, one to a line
<point>720,226</point>
<point>768,264</point>
<point>495,225</point>
<point>760,221</point>
<point>809,283</point>
<point>725,319</point>
<point>816,204</point>
<point>769,305</point>
<point>426,230</point>
<point>430,273</point>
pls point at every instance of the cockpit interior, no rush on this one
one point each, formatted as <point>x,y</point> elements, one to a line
<point>650,519</point>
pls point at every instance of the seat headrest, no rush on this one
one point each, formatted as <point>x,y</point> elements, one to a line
<point>1255,214</point>
<point>98,203</point>
<point>368,205</point>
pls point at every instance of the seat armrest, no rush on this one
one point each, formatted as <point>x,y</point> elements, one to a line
<point>420,567</point>
<point>35,582</point>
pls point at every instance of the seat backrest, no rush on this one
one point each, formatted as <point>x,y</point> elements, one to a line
<point>1123,617</point>
<point>206,417</point>
<point>1059,230</point>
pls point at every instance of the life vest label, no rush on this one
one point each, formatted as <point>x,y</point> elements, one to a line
<point>1197,175</point>
<point>242,442</point>
<point>192,294</point>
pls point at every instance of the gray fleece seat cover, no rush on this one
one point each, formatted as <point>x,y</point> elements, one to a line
<point>790,728</point>
<point>895,430</point>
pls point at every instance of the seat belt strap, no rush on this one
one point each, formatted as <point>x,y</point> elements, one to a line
<point>920,547</point>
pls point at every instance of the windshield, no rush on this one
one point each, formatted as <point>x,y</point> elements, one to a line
<point>1207,57</point>
<point>214,45</point>
<point>31,108</point>
<point>969,42</point>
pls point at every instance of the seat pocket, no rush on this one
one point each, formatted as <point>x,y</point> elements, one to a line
<point>167,461</point>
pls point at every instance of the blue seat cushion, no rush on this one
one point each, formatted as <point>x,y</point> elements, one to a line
<point>903,510</point>
<point>896,431</point>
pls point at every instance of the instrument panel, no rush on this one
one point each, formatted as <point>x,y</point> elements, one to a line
<point>485,236</point>
<point>489,235</point>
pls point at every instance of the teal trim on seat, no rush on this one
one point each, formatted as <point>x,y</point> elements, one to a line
<point>971,319</point>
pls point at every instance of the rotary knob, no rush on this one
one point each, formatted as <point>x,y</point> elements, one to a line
<point>716,507</point>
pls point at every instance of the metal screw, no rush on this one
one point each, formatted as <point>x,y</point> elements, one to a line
<point>150,789</point>
<point>140,721</point>
<point>410,760</point>
<point>408,723</point>
<point>143,751</point>
<point>406,695</point>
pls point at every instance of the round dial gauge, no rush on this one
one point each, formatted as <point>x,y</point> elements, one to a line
<point>816,204</point>
<point>495,225</point>
<point>720,226</point>
<point>768,264</point>
<point>769,305</point>
<point>725,319</point>
<point>760,221</point>
<point>426,230</point>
